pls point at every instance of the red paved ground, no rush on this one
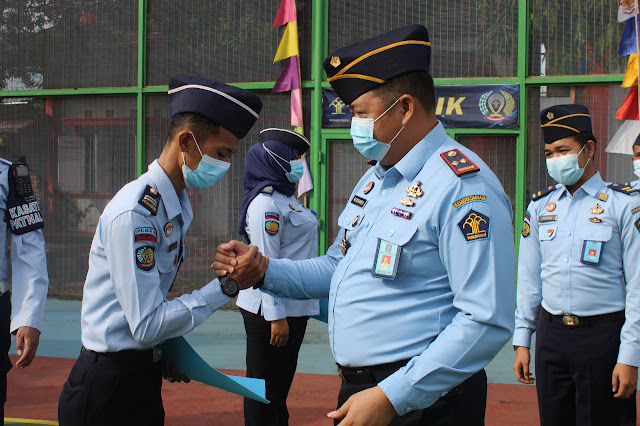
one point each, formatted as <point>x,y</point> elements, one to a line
<point>33,394</point>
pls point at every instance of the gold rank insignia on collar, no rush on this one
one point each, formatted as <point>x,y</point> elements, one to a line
<point>415,191</point>
<point>602,197</point>
<point>459,163</point>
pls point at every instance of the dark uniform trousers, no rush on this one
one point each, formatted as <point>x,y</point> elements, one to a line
<point>5,345</point>
<point>276,366</point>
<point>116,388</point>
<point>574,366</point>
<point>464,405</point>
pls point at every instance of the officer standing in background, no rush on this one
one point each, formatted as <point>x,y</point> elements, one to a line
<point>636,163</point>
<point>272,219</point>
<point>421,277</point>
<point>22,312</point>
<point>135,255</point>
<point>579,284</point>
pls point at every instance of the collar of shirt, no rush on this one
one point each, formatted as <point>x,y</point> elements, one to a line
<point>175,204</point>
<point>591,187</point>
<point>414,160</point>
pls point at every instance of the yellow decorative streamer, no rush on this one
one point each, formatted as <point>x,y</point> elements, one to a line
<point>289,44</point>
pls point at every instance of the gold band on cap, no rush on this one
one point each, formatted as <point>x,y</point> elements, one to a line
<point>566,116</point>
<point>360,76</point>
<point>561,125</point>
<point>373,52</point>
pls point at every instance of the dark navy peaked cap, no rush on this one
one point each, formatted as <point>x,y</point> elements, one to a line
<point>561,121</point>
<point>233,108</point>
<point>287,137</point>
<point>637,142</point>
<point>361,67</point>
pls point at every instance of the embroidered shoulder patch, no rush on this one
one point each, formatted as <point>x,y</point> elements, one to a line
<point>145,234</point>
<point>542,192</point>
<point>145,258</point>
<point>625,188</point>
<point>272,216</point>
<point>462,201</point>
<point>150,199</point>
<point>474,226</point>
<point>272,227</point>
<point>267,190</point>
<point>526,229</point>
<point>459,163</point>
<point>636,210</point>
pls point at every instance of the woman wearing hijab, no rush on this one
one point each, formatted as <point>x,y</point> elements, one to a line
<point>273,219</point>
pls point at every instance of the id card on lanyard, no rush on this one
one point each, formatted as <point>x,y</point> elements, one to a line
<point>385,264</point>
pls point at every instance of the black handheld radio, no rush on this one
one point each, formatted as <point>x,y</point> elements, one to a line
<point>23,181</point>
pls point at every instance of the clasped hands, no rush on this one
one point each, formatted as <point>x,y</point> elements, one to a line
<point>243,263</point>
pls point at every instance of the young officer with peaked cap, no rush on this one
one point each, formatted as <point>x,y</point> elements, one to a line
<point>272,219</point>
<point>22,311</point>
<point>422,274</point>
<point>136,254</point>
<point>636,163</point>
<point>579,284</point>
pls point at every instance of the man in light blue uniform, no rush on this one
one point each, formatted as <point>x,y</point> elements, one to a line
<point>135,256</point>
<point>579,284</point>
<point>421,278</point>
<point>22,311</point>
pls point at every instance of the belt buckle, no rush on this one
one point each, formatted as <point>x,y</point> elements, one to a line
<point>571,320</point>
<point>157,353</point>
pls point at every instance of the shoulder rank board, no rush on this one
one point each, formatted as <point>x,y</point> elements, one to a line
<point>625,188</point>
<point>459,163</point>
<point>267,190</point>
<point>542,192</point>
<point>150,199</point>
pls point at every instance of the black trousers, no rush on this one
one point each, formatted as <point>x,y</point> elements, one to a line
<point>573,375</point>
<point>276,366</point>
<point>465,406</point>
<point>5,345</point>
<point>106,391</point>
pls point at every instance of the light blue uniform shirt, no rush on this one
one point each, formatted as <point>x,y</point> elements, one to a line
<point>550,270</point>
<point>29,278</point>
<point>636,184</point>
<point>124,304</point>
<point>282,229</point>
<point>450,307</point>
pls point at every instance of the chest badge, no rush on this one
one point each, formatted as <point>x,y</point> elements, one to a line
<point>551,206</point>
<point>595,220</point>
<point>368,188</point>
<point>401,213</point>
<point>549,232</point>
<point>168,229</point>
<point>356,221</point>
<point>597,209</point>
<point>407,202</point>
<point>415,191</point>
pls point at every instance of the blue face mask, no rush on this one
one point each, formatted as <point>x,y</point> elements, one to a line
<point>565,169</point>
<point>297,169</point>
<point>363,140</point>
<point>209,171</point>
<point>636,168</point>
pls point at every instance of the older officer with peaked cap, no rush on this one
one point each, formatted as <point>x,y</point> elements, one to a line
<point>421,277</point>
<point>579,283</point>
<point>273,220</point>
<point>22,311</point>
<point>135,255</point>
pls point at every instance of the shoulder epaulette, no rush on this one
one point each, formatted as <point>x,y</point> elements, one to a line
<point>625,188</point>
<point>267,190</point>
<point>542,192</point>
<point>150,199</point>
<point>459,163</point>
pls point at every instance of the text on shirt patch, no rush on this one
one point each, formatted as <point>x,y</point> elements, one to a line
<point>145,234</point>
<point>359,201</point>
<point>474,226</point>
<point>145,258</point>
<point>462,201</point>
<point>272,216</point>
<point>636,210</point>
<point>24,215</point>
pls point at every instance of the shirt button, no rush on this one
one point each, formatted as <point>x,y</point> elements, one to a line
<point>569,233</point>
<point>595,235</point>
<point>270,286</point>
<point>391,232</point>
<point>408,409</point>
<point>564,287</point>
<point>565,260</point>
<point>385,192</point>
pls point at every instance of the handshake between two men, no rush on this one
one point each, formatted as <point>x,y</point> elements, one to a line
<point>245,264</point>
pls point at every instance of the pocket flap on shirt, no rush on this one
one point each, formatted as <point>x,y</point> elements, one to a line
<point>547,232</point>
<point>397,232</point>
<point>596,232</point>
<point>298,219</point>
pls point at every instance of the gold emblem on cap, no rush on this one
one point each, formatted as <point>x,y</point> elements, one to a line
<point>335,62</point>
<point>550,115</point>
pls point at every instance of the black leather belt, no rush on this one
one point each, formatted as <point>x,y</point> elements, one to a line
<point>130,355</point>
<point>371,374</point>
<point>576,321</point>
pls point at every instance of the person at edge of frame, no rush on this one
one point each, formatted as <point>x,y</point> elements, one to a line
<point>421,278</point>
<point>22,308</point>
<point>579,283</point>
<point>135,256</point>
<point>636,163</point>
<point>272,219</point>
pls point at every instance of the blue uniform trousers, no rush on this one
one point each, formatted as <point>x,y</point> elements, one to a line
<point>276,366</point>
<point>464,405</point>
<point>5,345</point>
<point>573,375</point>
<point>116,388</point>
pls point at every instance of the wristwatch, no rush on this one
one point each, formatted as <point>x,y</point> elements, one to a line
<point>229,286</point>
